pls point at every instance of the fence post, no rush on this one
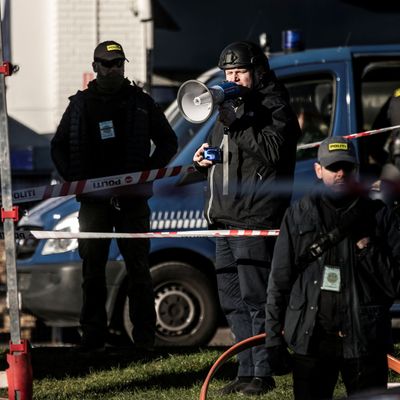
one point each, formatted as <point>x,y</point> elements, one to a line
<point>19,373</point>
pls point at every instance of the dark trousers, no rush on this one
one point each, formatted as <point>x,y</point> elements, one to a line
<point>315,376</point>
<point>103,217</point>
<point>242,266</point>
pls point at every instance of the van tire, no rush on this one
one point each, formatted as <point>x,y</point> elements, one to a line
<point>186,304</point>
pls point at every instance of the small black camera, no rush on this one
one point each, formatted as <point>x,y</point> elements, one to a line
<point>213,154</point>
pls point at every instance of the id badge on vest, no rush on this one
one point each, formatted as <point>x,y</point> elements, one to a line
<point>106,130</point>
<point>331,278</point>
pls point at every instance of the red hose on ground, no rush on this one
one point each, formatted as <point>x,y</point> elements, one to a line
<point>393,363</point>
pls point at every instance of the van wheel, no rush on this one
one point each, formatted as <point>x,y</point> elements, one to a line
<point>186,305</point>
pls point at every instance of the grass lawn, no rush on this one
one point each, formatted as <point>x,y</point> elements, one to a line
<point>121,374</point>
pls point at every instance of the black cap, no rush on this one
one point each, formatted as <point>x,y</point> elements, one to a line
<point>335,149</point>
<point>108,51</point>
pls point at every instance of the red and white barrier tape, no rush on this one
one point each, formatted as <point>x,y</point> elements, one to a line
<point>151,235</point>
<point>19,235</point>
<point>351,136</point>
<point>93,185</point>
<point>97,184</point>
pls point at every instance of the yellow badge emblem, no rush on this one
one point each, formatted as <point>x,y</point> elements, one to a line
<point>114,47</point>
<point>396,93</point>
<point>337,146</point>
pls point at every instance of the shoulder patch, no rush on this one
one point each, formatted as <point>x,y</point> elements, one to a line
<point>396,93</point>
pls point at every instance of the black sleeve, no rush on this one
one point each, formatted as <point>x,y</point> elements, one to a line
<point>163,137</point>
<point>269,143</point>
<point>390,219</point>
<point>59,145</point>
<point>280,283</point>
<point>202,170</point>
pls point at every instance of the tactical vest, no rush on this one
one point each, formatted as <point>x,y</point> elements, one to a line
<point>134,148</point>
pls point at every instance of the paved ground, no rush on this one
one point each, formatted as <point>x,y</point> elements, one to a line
<point>223,337</point>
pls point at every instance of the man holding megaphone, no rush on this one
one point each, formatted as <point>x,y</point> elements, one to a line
<point>251,149</point>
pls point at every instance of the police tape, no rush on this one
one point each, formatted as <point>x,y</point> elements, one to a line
<point>351,136</point>
<point>97,184</point>
<point>153,235</point>
<point>19,235</point>
<point>116,181</point>
<point>34,234</point>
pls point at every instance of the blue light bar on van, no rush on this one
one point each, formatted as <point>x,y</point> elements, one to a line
<point>292,40</point>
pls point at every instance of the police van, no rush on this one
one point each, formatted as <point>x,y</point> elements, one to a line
<point>334,91</point>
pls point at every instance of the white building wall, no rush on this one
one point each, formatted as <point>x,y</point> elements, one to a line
<point>53,43</point>
<point>76,38</point>
<point>30,92</point>
<point>118,22</point>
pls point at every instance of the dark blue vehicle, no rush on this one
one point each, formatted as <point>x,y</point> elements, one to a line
<point>334,91</point>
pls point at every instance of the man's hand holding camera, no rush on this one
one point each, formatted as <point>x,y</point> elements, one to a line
<point>199,157</point>
<point>206,156</point>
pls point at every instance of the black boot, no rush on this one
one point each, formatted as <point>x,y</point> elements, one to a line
<point>236,385</point>
<point>259,385</point>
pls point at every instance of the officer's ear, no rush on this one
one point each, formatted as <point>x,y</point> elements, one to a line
<point>318,170</point>
<point>95,67</point>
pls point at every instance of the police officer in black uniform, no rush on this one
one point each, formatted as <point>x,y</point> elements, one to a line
<point>258,135</point>
<point>107,130</point>
<point>335,274</point>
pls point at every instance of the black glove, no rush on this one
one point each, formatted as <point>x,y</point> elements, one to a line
<point>279,360</point>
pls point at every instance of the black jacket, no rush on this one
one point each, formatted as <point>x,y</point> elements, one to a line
<point>370,279</point>
<point>79,151</point>
<point>262,154</point>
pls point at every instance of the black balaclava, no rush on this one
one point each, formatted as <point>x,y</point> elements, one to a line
<point>110,83</point>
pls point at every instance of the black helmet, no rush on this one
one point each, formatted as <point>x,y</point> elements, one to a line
<point>242,54</point>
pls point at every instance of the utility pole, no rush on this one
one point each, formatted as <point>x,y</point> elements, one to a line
<point>19,373</point>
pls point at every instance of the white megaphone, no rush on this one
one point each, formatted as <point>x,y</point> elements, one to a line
<point>196,101</point>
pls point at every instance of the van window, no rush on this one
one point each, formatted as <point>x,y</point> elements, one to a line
<point>312,99</point>
<point>378,82</point>
<point>378,79</point>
